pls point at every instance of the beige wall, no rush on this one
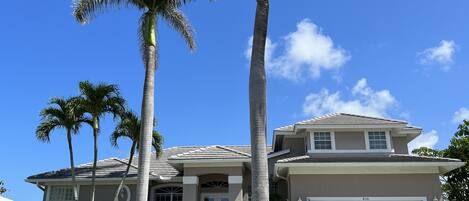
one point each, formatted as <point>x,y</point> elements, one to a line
<point>197,171</point>
<point>407,185</point>
<point>350,140</point>
<point>103,192</point>
<point>296,145</point>
<point>400,145</point>
<point>236,192</point>
<point>190,192</point>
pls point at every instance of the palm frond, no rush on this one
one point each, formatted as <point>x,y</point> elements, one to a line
<point>157,143</point>
<point>176,19</point>
<point>85,10</point>
<point>45,128</point>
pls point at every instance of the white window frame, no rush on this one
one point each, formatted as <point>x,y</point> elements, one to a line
<point>388,141</point>
<point>366,198</point>
<point>313,148</point>
<point>367,149</point>
<point>48,190</point>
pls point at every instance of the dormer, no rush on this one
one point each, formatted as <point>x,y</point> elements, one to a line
<point>343,133</point>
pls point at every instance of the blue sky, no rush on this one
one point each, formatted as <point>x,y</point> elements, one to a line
<point>400,59</point>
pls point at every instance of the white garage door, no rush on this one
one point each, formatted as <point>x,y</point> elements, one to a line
<point>366,199</point>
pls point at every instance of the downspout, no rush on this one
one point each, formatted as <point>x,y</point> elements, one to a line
<point>284,178</point>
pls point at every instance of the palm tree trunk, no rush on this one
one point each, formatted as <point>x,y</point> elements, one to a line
<point>72,164</point>
<point>147,109</point>
<point>257,105</point>
<point>132,151</point>
<point>95,157</point>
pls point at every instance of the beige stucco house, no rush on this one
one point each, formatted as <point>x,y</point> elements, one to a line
<point>337,157</point>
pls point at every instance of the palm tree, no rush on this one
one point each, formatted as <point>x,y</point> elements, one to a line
<point>257,105</point>
<point>62,113</point>
<point>129,127</point>
<point>98,100</point>
<point>168,10</point>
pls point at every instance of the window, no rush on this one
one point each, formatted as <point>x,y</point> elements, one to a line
<point>322,140</point>
<point>170,193</point>
<point>377,140</point>
<point>61,193</point>
<point>124,195</point>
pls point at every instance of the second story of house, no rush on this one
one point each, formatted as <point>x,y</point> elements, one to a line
<point>345,134</point>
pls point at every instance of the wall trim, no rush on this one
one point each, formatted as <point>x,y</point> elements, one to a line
<point>190,180</point>
<point>235,179</point>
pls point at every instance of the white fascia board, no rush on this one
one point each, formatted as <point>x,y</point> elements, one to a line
<point>442,167</point>
<point>98,180</point>
<point>366,198</point>
<point>370,164</point>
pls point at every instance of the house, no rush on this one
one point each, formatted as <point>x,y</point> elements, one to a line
<point>335,157</point>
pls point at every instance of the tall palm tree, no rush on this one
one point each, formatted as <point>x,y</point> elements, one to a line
<point>257,105</point>
<point>62,113</point>
<point>169,11</point>
<point>129,127</point>
<point>98,100</point>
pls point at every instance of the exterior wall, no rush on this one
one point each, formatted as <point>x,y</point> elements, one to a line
<point>350,141</point>
<point>390,185</point>
<point>296,145</point>
<point>400,145</point>
<point>103,192</point>
<point>236,192</point>
<point>190,192</point>
<point>197,171</point>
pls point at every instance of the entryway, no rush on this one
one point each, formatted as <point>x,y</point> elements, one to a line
<point>215,197</point>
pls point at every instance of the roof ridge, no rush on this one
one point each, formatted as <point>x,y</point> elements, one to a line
<point>374,117</point>
<point>91,163</point>
<point>232,150</point>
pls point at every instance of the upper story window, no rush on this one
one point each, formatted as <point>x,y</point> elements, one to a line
<point>322,141</point>
<point>377,140</point>
<point>61,193</point>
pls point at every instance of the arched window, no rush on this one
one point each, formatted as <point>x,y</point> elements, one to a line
<point>124,195</point>
<point>168,193</point>
<point>215,185</point>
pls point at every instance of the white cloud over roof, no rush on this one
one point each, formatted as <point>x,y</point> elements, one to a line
<point>428,140</point>
<point>366,101</point>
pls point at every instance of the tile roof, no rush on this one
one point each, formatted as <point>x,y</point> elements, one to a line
<point>343,119</point>
<point>115,168</point>
<point>365,159</point>
<point>211,152</point>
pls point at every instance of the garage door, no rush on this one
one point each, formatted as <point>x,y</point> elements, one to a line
<point>366,199</point>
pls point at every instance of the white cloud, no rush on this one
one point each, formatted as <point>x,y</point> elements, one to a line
<point>368,102</point>
<point>460,115</point>
<point>441,55</point>
<point>307,52</point>
<point>428,139</point>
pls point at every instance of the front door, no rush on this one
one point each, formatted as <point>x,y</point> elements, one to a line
<point>215,197</point>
